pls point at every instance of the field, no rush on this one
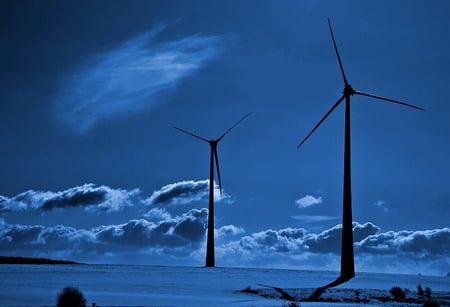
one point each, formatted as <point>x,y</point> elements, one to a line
<point>128,285</point>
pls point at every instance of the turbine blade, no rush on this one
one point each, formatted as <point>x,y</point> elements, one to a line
<point>221,137</point>
<point>321,121</point>
<point>337,53</point>
<point>194,135</point>
<point>388,99</point>
<point>216,157</point>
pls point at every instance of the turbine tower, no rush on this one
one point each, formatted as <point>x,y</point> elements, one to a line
<point>214,159</point>
<point>347,257</point>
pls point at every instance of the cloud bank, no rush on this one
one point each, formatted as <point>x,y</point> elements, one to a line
<point>128,78</point>
<point>182,239</point>
<point>185,231</point>
<point>89,196</point>
<point>156,235</point>
<point>395,251</point>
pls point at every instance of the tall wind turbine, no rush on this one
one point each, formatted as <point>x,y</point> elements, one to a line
<point>347,257</point>
<point>214,159</point>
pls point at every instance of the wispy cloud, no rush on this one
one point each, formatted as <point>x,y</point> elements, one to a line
<point>382,205</point>
<point>308,201</point>
<point>185,192</point>
<point>126,79</point>
<point>314,218</point>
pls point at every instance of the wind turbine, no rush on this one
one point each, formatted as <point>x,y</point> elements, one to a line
<point>347,257</point>
<point>214,159</point>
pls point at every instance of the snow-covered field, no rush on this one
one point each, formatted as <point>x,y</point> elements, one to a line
<point>125,285</point>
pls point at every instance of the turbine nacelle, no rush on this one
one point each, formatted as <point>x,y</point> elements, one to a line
<point>348,90</point>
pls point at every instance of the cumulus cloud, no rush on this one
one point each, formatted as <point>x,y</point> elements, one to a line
<point>186,231</point>
<point>299,240</point>
<point>89,196</point>
<point>229,230</point>
<point>308,201</point>
<point>128,78</point>
<point>184,192</point>
<point>408,250</point>
<point>420,244</point>
<point>183,230</point>
<point>181,239</point>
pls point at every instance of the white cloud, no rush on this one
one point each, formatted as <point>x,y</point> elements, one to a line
<point>174,239</point>
<point>89,196</point>
<point>315,218</point>
<point>160,235</point>
<point>381,204</point>
<point>420,244</point>
<point>185,192</point>
<point>128,78</point>
<point>308,201</point>
<point>186,231</point>
<point>229,230</point>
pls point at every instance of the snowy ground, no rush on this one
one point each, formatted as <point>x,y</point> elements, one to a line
<point>124,285</point>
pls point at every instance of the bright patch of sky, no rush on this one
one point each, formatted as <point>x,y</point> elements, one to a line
<point>128,78</point>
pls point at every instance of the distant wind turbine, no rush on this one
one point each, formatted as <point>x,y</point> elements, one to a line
<point>347,257</point>
<point>214,159</point>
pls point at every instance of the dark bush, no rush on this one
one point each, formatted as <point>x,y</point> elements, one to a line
<point>431,304</point>
<point>420,290</point>
<point>70,297</point>
<point>427,292</point>
<point>398,293</point>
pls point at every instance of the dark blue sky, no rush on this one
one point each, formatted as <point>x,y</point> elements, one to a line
<point>90,92</point>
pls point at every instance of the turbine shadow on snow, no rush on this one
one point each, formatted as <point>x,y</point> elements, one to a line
<point>347,271</point>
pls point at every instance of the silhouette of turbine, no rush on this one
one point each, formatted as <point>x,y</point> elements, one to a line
<point>214,159</point>
<point>347,257</point>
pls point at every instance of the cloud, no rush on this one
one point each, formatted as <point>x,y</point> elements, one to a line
<point>185,192</point>
<point>128,78</point>
<point>381,204</point>
<point>405,251</point>
<point>186,231</point>
<point>229,230</point>
<point>308,201</point>
<point>421,244</point>
<point>180,239</point>
<point>315,218</point>
<point>89,196</point>
<point>299,240</point>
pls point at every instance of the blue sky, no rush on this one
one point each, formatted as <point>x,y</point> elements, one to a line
<point>92,169</point>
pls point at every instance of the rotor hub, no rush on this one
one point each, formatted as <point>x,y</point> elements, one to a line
<point>348,90</point>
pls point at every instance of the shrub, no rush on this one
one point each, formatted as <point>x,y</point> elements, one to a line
<point>398,293</point>
<point>427,292</point>
<point>431,304</point>
<point>420,290</point>
<point>70,297</point>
